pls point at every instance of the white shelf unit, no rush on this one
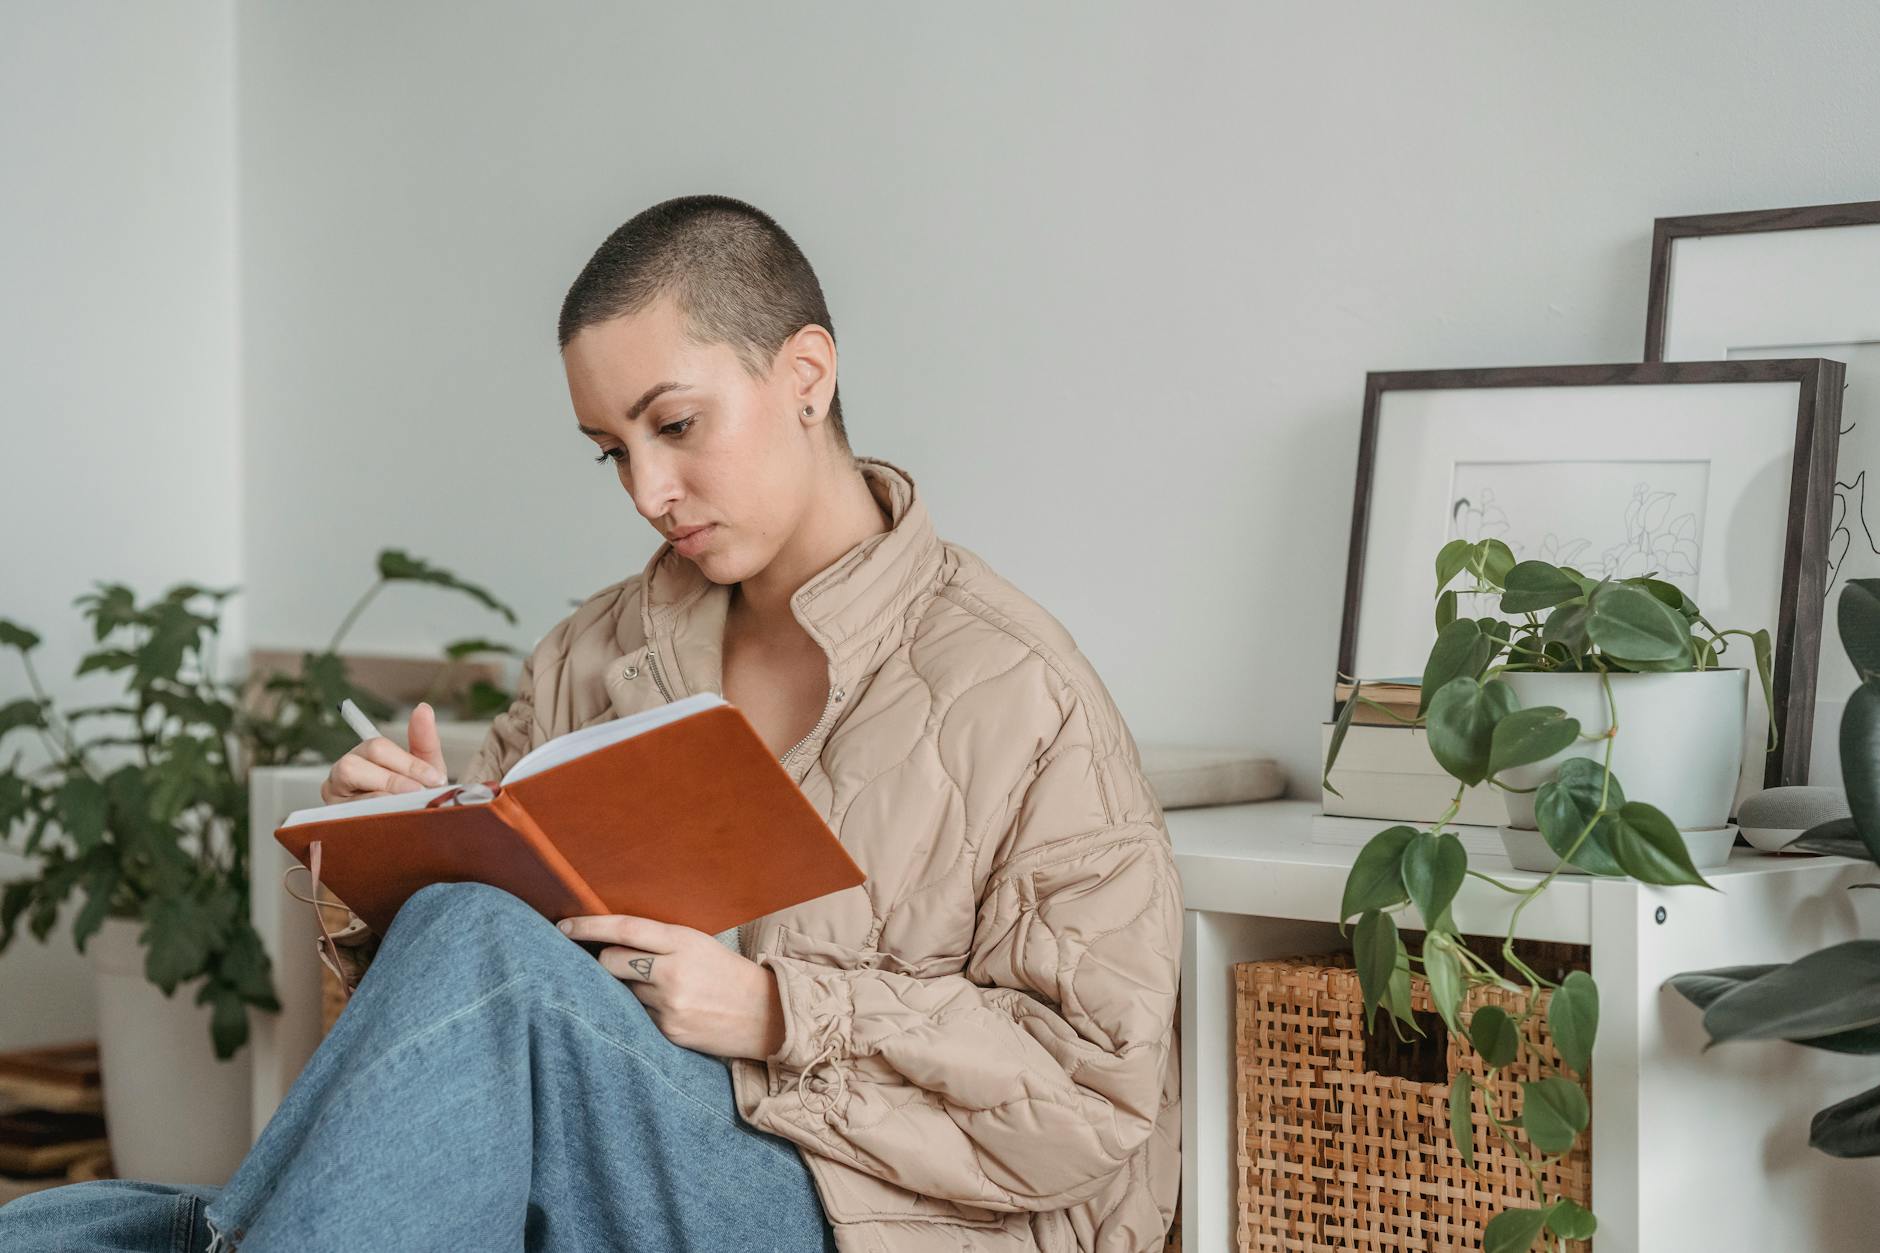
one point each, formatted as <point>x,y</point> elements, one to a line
<point>1690,1151</point>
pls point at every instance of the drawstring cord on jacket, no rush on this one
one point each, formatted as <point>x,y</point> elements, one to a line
<point>826,1036</point>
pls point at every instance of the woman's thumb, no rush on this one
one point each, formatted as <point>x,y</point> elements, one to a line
<point>423,735</point>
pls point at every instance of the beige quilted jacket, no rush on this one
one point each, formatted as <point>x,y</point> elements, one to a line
<point>981,1049</point>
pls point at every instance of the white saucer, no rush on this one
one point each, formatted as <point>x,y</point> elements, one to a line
<point>1528,849</point>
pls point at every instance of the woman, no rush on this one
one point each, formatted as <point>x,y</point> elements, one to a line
<point>974,1049</point>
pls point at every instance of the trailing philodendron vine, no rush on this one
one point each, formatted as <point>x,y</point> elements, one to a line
<point>1551,619</point>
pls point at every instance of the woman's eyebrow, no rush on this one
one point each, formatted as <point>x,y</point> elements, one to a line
<point>639,406</point>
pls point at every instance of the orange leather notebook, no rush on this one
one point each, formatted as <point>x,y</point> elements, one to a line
<point>680,813</point>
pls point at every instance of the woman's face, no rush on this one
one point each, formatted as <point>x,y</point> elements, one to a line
<point>695,440</point>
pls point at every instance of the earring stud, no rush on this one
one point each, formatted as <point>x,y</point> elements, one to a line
<point>809,410</point>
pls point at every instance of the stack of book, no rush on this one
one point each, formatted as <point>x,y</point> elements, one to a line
<point>52,1127</point>
<point>1398,698</point>
<point>1384,768</point>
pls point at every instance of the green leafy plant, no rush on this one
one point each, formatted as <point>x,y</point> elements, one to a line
<point>1829,999</point>
<point>142,802</point>
<point>1551,619</point>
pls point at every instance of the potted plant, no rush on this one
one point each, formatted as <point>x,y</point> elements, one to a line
<point>1825,1000</point>
<point>142,803</point>
<point>1560,771</point>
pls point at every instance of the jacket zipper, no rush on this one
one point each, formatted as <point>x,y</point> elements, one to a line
<point>835,698</point>
<point>652,664</point>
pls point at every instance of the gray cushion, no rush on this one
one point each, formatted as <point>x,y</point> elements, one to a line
<point>1186,776</point>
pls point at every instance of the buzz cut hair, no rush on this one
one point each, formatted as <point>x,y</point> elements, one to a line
<point>735,275</point>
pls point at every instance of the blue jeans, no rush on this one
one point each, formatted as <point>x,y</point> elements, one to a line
<point>489,1086</point>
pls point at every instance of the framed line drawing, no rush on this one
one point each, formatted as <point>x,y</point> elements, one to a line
<point>1717,475</point>
<point>1790,283</point>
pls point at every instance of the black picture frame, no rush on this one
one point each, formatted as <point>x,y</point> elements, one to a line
<point>1811,491</point>
<point>1666,231</point>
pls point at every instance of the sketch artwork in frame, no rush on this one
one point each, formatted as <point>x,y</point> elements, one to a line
<point>1790,283</point>
<point>1715,476</point>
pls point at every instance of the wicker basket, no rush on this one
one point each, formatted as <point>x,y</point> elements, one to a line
<point>1342,1140</point>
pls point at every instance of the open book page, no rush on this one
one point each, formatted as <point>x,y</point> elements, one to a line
<point>601,734</point>
<point>553,753</point>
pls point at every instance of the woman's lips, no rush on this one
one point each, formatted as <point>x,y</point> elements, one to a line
<point>697,540</point>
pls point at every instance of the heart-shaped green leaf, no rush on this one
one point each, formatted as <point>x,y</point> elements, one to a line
<point>1567,802</point>
<point>1650,848</point>
<point>1445,610</point>
<point>1571,1221</point>
<point>1492,560</point>
<point>1513,1230</point>
<point>1530,735</point>
<point>1374,949</point>
<point>1566,627</point>
<point>1633,625</point>
<point>1376,877</point>
<point>1461,1116</point>
<point>1451,560</point>
<point>1554,1111</point>
<point>1339,730</point>
<point>1573,1017</point>
<point>1443,970</point>
<point>1493,1034</point>
<point>1459,651</point>
<point>1462,723</point>
<point>1536,585</point>
<point>1433,869</point>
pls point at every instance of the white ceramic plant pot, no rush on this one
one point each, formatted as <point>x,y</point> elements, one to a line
<point>173,1111</point>
<point>1679,746</point>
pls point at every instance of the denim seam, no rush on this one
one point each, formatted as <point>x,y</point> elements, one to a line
<point>353,1077</point>
<point>660,1074</point>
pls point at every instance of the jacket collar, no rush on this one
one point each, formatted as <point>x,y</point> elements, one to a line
<point>856,608</point>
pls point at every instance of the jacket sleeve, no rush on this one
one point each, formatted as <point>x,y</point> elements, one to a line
<point>512,733</point>
<point>1029,1079</point>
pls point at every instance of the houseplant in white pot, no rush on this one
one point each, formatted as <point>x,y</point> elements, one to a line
<point>1640,637</point>
<point>142,803</point>
<point>1562,775</point>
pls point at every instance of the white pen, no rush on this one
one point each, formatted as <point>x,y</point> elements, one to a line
<point>357,720</point>
<point>361,725</point>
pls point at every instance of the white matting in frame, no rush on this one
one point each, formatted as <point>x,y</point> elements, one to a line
<point>1687,478</point>
<point>1792,283</point>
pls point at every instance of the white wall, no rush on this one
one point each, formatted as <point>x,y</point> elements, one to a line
<point>121,454</point>
<point>1106,278</point>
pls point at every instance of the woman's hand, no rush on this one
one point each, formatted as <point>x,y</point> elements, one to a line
<point>378,767</point>
<point>700,994</point>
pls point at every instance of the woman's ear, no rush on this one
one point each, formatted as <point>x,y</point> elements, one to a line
<point>811,354</point>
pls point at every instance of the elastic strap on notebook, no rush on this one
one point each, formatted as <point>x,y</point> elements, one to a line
<point>326,937</point>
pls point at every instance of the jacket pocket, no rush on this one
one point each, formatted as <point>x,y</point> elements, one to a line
<point>813,948</point>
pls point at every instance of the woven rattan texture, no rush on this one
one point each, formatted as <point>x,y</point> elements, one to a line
<point>1332,1155</point>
